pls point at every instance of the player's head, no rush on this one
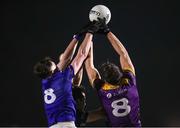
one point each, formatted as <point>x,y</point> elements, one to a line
<point>80,97</point>
<point>44,68</point>
<point>110,73</point>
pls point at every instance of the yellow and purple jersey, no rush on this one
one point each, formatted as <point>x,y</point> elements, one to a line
<point>121,103</point>
<point>58,100</point>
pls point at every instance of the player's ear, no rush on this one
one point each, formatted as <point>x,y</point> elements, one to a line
<point>61,57</point>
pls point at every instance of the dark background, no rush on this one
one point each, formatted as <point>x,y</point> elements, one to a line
<point>33,29</point>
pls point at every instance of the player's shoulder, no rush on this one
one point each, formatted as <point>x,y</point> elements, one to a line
<point>98,83</point>
<point>69,68</point>
<point>129,77</point>
<point>68,72</point>
<point>129,70</point>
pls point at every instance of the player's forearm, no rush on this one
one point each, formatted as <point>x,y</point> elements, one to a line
<point>117,45</point>
<point>89,64</point>
<point>88,69</point>
<point>86,44</point>
<point>78,78</point>
<point>91,72</point>
<point>82,53</point>
<point>125,60</point>
<point>70,50</point>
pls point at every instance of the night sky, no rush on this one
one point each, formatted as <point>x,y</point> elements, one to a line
<point>31,30</point>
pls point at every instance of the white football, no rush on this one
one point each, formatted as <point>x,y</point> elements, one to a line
<point>100,11</point>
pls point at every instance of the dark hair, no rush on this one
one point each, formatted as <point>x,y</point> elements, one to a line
<point>77,92</point>
<point>43,68</point>
<point>111,73</point>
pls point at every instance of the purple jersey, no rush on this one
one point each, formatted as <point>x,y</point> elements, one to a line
<point>121,104</point>
<point>58,100</point>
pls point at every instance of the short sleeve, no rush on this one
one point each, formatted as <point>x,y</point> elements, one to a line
<point>98,83</point>
<point>69,72</point>
<point>129,77</point>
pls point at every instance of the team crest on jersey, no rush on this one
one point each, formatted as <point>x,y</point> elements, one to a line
<point>109,95</point>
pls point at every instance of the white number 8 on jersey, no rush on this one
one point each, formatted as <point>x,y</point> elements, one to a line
<point>49,93</point>
<point>124,106</point>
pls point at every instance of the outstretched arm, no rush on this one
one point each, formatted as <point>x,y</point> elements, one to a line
<point>125,60</point>
<point>92,72</point>
<point>78,77</point>
<point>66,56</point>
<point>85,46</point>
<point>82,53</point>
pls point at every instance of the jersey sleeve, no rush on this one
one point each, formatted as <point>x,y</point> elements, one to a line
<point>69,72</point>
<point>128,77</point>
<point>98,83</point>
